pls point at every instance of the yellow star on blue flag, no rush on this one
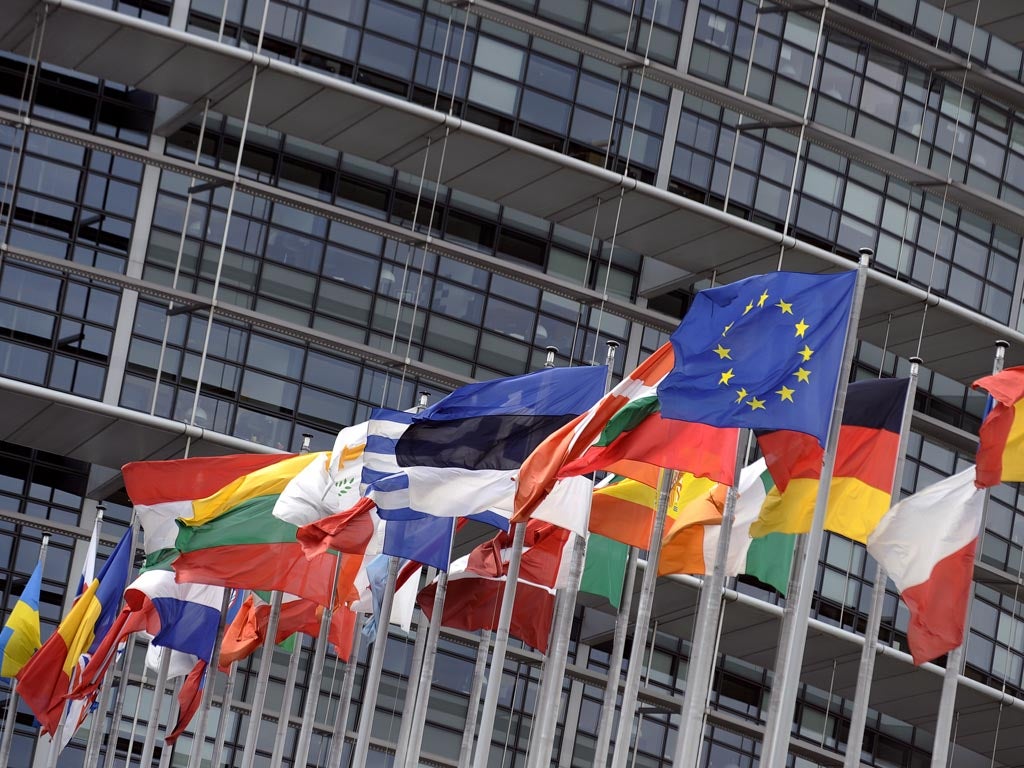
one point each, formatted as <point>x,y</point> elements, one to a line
<point>785,334</point>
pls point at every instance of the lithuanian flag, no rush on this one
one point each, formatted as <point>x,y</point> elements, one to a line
<point>229,535</point>
<point>862,480</point>
<point>1001,451</point>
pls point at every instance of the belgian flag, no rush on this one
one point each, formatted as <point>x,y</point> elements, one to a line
<point>865,464</point>
<point>1001,449</point>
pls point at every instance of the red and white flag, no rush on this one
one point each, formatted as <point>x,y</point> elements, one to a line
<point>927,544</point>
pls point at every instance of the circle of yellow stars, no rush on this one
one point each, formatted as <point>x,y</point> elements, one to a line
<point>802,373</point>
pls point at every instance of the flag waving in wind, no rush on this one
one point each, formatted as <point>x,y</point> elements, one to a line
<point>19,638</point>
<point>47,677</point>
<point>460,456</point>
<point>763,353</point>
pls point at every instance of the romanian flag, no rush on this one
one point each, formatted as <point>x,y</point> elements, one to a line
<point>865,465</point>
<point>19,638</point>
<point>625,434</point>
<point>46,679</point>
<point>1001,450</point>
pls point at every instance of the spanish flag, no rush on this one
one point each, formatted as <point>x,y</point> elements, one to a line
<point>1001,452</point>
<point>865,465</point>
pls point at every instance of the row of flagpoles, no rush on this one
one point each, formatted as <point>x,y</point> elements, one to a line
<point>333,535</point>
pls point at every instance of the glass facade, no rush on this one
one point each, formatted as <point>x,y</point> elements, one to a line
<point>97,185</point>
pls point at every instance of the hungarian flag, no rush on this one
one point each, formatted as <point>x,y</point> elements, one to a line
<point>694,544</point>
<point>1001,450</point>
<point>476,584</point>
<point>862,481</point>
<point>625,433</point>
<point>926,544</point>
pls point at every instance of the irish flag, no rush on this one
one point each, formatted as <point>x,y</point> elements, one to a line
<point>692,543</point>
<point>1001,451</point>
<point>624,433</point>
<point>927,544</point>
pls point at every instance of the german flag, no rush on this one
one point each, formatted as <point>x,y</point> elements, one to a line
<point>863,476</point>
<point>1001,450</point>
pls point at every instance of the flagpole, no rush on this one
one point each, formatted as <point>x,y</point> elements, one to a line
<point>99,720</point>
<point>643,619</point>
<point>109,762</point>
<point>793,634</point>
<point>543,736</point>
<point>372,680</point>
<point>284,714</point>
<point>172,716</point>
<point>508,597</point>
<point>153,724</point>
<point>421,704</point>
<point>542,739</point>
<point>12,700</point>
<point>225,711</point>
<point>611,689</point>
<point>955,658</point>
<point>199,732</point>
<point>316,672</point>
<point>866,671</point>
<point>57,742</point>
<point>259,699</point>
<point>704,648</point>
<point>118,709</point>
<point>475,689</point>
<point>415,680</point>
<point>345,698</point>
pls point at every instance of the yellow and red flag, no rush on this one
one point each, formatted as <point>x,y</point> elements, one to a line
<point>1001,452</point>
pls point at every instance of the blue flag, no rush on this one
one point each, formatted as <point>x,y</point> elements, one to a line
<point>763,353</point>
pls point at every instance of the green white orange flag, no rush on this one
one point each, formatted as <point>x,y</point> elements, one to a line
<point>1001,447</point>
<point>694,544</point>
<point>625,434</point>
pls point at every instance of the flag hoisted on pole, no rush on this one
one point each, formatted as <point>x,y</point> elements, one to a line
<point>542,737</point>
<point>822,416</point>
<point>998,436</point>
<point>19,640</point>
<point>704,647</point>
<point>631,687</point>
<point>866,670</point>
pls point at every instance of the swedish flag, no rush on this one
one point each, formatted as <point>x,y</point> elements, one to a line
<point>19,638</point>
<point>763,353</point>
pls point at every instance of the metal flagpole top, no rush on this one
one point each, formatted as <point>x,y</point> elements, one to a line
<point>307,439</point>
<point>423,402</point>
<point>549,362</point>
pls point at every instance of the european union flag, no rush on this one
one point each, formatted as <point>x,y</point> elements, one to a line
<point>763,353</point>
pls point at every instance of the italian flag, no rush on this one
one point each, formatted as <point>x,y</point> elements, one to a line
<point>625,433</point>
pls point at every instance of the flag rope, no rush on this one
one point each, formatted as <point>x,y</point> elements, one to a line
<point>866,669</point>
